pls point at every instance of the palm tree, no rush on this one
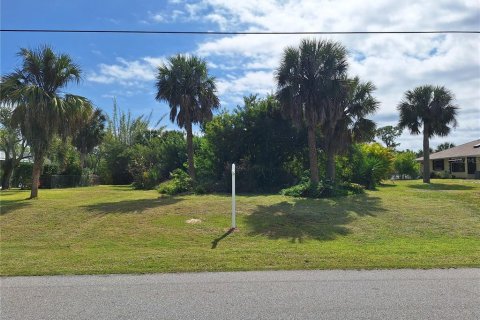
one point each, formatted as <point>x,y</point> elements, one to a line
<point>309,81</point>
<point>353,126</point>
<point>190,92</point>
<point>432,108</point>
<point>41,110</point>
<point>90,134</point>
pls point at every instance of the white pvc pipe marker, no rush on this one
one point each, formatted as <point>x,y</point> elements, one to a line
<point>234,225</point>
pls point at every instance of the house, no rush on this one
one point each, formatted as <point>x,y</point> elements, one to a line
<point>461,162</point>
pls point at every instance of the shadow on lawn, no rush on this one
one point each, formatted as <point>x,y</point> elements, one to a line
<point>131,206</point>
<point>440,186</point>
<point>320,219</point>
<point>8,206</point>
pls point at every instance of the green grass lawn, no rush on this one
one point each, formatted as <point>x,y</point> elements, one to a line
<point>114,229</point>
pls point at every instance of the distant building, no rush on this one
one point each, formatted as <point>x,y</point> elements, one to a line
<point>462,161</point>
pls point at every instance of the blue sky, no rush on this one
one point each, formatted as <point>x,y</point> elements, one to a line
<point>123,66</point>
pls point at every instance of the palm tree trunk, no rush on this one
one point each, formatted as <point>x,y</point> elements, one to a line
<point>37,169</point>
<point>191,167</point>
<point>330,165</point>
<point>312,154</point>
<point>426,156</point>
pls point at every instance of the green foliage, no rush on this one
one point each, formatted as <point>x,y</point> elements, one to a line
<point>119,156</point>
<point>22,176</point>
<point>113,167</point>
<point>324,189</point>
<point>90,134</point>
<point>63,158</point>
<point>12,143</point>
<point>367,164</point>
<point>406,166</point>
<point>267,150</point>
<point>152,163</point>
<point>180,182</point>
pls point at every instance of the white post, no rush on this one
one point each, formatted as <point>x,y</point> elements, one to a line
<point>234,225</point>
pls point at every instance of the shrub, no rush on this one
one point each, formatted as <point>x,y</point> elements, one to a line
<point>179,182</point>
<point>323,189</point>
<point>369,164</point>
<point>22,176</point>
<point>406,166</point>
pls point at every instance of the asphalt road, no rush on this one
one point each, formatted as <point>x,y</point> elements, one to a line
<point>387,294</point>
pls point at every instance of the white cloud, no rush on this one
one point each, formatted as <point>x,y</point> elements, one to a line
<point>394,63</point>
<point>127,73</point>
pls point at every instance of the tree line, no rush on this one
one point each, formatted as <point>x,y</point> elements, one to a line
<point>313,135</point>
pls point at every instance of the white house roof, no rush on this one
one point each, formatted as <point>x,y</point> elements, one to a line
<point>469,149</point>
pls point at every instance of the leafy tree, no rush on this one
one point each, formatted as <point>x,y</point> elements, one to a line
<point>267,150</point>
<point>153,161</point>
<point>388,135</point>
<point>90,134</point>
<point>353,126</point>
<point>310,79</point>
<point>190,92</point>
<point>432,109</point>
<point>405,164</point>
<point>444,146</point>
<point>41,109</point>
<point>12,143</point>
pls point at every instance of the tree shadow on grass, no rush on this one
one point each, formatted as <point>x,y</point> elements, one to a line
<point>440,186</point>
<point>131,206</point>
<point>320,219</point>
<point>7,206</point>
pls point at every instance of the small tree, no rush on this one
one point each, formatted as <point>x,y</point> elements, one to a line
<point>90,134</point>
<point>12,143</point>
<point>388,135</point>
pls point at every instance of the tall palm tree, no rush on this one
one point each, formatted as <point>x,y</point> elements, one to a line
<point>41,110</point>
<point>309,81</point>
<point>90,134</point>
<point>430,107</point>
<point>353,126</point>
<point>190,92</point>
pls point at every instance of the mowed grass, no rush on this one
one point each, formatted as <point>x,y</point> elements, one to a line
<point>114,229</point>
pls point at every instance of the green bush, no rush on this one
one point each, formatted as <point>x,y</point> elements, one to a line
<point>368,165</point>
<point>179,182</point>
<point>406,166</point>
<point>324,189</point>
<point>22,176</point>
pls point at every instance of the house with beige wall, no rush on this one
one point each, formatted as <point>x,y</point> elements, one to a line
<point>461,162</point>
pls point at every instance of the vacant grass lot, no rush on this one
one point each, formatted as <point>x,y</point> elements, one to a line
<point>112,229</point>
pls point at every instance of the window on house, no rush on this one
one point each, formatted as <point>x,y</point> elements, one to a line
<point>438,165</point>
<point>457,165</point>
